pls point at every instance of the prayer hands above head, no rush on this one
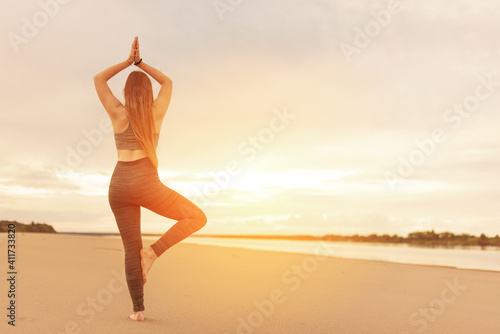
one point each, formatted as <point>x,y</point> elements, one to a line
<point>135,54</point>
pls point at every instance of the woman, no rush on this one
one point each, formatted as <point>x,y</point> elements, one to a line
<point>135,182</point>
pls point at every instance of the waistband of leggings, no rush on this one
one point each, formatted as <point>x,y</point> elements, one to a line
<point>138,162</point>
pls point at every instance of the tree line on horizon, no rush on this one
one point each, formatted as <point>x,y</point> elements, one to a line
<point>424,238</point>
<point>418,238</point>
<point>33,227</point>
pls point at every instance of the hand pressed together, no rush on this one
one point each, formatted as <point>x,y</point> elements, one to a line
<point>135,54</point>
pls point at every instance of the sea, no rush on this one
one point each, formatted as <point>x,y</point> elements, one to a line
<point>458,257</point>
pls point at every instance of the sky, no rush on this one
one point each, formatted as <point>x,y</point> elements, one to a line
<point>287,117</point>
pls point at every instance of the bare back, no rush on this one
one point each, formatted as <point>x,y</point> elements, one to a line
<point>120,124</point>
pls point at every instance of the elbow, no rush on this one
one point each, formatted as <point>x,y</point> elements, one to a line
<point>167,82</point>
<point>98,77</point>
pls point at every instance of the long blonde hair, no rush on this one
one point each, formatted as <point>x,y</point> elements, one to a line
<point>138,94</point>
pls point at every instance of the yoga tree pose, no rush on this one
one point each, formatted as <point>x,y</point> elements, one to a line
<point>135,182</point>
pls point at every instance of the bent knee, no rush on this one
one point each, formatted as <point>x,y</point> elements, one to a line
<point>200,218</point>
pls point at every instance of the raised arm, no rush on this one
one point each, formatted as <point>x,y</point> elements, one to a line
<point>161,78</point>
<point>162,101</point>
<point>108,100</point>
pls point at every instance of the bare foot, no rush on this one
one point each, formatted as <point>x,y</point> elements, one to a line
<point>137,316</point>
<point>148,256</point>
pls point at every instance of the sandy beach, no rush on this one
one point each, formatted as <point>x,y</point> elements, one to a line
<point>76,284</point>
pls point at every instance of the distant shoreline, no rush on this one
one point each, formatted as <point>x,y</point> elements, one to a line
<point>419,238</point>
<point>422,239</point>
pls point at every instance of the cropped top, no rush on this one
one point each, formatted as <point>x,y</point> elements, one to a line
<point>128,141</point>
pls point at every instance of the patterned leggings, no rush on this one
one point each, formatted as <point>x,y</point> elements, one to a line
<point>135,184</point>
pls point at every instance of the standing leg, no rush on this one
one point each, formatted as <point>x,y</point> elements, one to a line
<point>128,219</point>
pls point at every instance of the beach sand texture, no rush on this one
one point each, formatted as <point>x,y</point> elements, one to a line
<point>76,284</point>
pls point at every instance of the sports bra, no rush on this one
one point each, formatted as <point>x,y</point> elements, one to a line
<point>128,141</point>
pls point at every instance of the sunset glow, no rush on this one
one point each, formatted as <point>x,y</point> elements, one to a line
<point>280,123</point>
